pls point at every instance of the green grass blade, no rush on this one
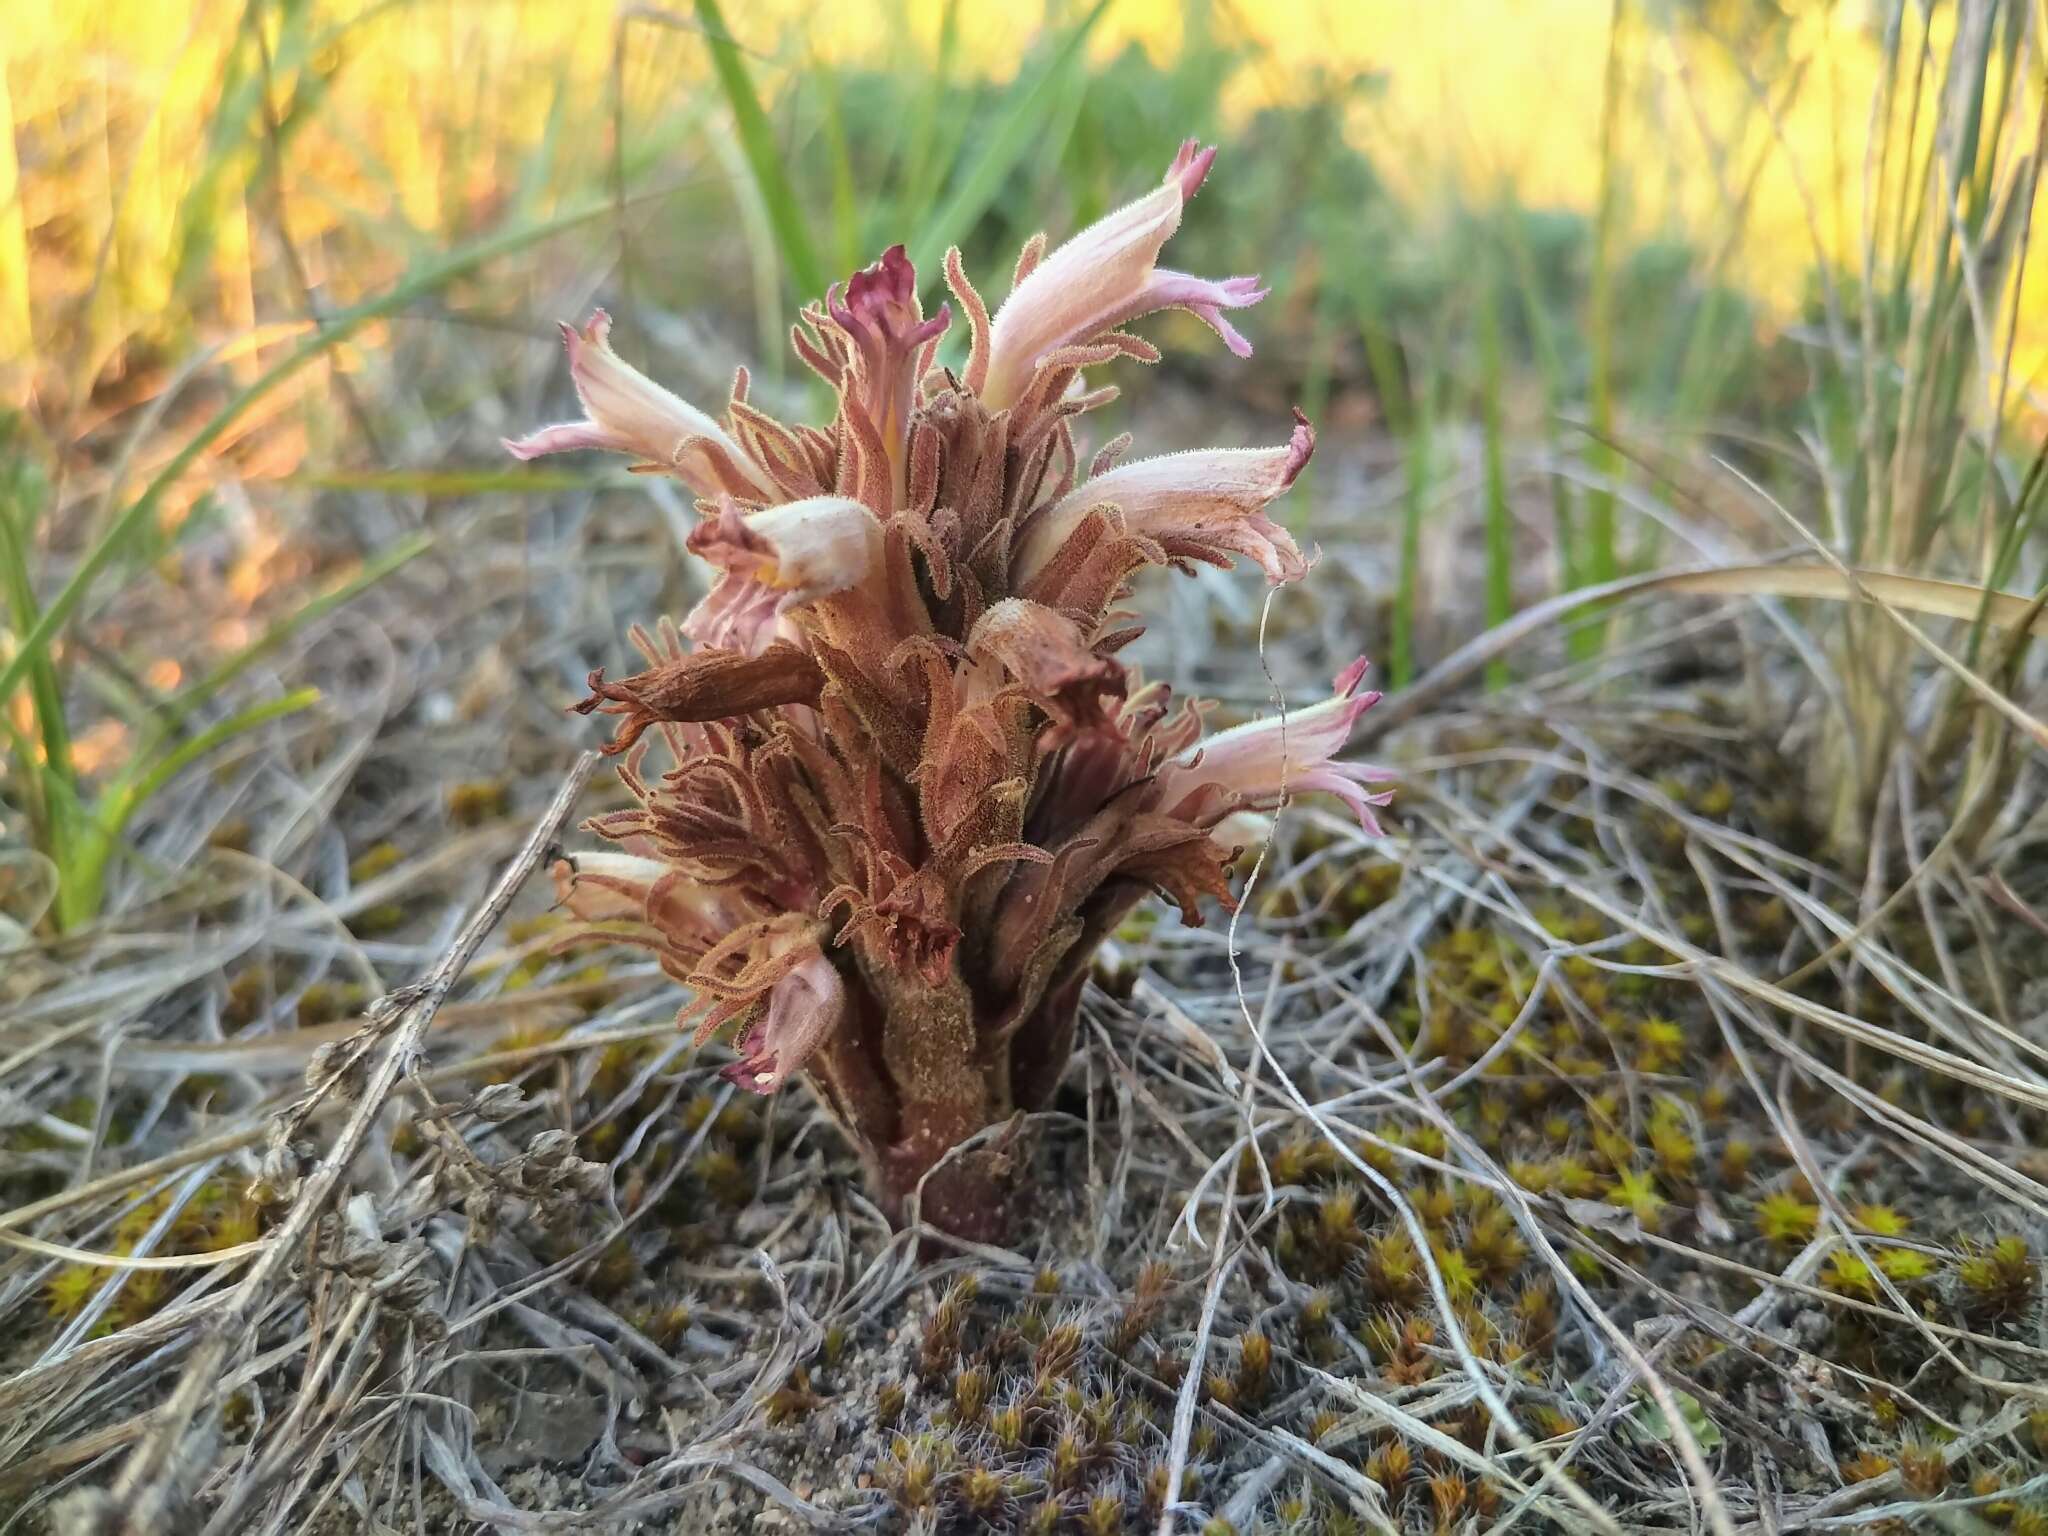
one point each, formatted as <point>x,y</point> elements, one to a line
<point>1599,561</point>
<point>119,807</point>
<point>1408,408</point>
<point>1382,359</point>
<point>440,483</point>
<point>537,170</point>
<point>763,156</point>
<point>1315,377</point>
<point>75,850</point>
<point>1415,491</point>
<point>847,242</point>
<point>1017,133</point>
<point>17,588</point>
<point>1500,546</point>
<point>923,166</point>
<point>82,867</point>
<point>1551,367</point>
<point>338,328</point>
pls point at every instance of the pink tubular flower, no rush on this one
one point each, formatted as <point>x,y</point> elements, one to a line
<point>627,412</point>
<point>1257,765</point>
<point>803,1008</point>
<point>1206,505</point>
<point>879,315</point>
<point>608,887</point>
<point>775,560</point>
<point>1105,276</point>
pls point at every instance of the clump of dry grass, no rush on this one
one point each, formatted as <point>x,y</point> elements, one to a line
<point>1578,1153</point>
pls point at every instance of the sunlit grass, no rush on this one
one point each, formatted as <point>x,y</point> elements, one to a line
<point>144,150</point>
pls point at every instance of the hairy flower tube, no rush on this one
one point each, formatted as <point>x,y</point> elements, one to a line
<point>891,786</point>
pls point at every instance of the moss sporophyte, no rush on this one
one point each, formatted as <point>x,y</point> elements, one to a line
<point>908,786</point>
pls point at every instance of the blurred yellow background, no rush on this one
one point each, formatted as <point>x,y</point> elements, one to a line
<point>430,107</point>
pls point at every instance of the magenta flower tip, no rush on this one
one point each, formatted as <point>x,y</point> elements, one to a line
<point>896,269</point>
<point>1301,448</point>
<point>1191,166</point>
<point>1347,681</point>
<point>878,294</point>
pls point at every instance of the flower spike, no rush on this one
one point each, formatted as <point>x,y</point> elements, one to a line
<point>627,412</point>
<point>889,780</point>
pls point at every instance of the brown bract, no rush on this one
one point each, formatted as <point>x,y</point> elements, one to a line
<point>907,785</point>
<point>707,684</point>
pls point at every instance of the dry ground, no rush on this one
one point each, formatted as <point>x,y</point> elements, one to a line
<point>1566,1159</point>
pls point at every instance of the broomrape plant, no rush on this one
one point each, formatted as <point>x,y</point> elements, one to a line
<point>909,788</point>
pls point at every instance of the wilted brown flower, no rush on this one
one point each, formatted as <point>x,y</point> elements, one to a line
<point>910,788</point>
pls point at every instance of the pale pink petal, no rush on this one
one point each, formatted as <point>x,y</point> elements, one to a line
<point>1209,504</point>
<point>627,412</point>
<point>777,559</point>
<point>1257,765</point>
<point>804,1007</point>
<point>566,437</point>
<point>606,887</point>
<point>1105,276</point>
<point>628,888</point>
<point>1078,290</point>
<point>737,614</point>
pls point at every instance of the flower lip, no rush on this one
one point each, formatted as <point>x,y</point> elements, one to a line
<point>1257,765</point>
<point>1191,166</point>
<point>881,299</point>
<point>804,1007</point>
<point>775,560</point>
<point>627,412</point>
<point>1204,298</point>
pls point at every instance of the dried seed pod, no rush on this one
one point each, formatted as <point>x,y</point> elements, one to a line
<point>498,1102</point>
